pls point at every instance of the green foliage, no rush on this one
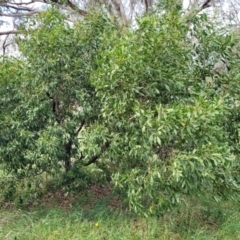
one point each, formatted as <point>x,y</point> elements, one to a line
<point>47,97</point>
<point>149,106</point>
<point>167,121</point>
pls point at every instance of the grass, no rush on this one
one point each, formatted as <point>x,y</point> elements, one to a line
<point>55,224</point>
<point>95,214</point>
<point>90,217</point>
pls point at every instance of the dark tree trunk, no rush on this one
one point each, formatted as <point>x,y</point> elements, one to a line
<point>67,160</point>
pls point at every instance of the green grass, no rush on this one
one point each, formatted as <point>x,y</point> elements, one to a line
<point>197,219</point>
<point>61,217</point>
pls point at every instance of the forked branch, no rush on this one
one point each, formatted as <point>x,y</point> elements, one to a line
<point>94,158</point>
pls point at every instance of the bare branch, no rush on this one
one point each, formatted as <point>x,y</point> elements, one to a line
<point>76,8</point>
<point>118,5</point>
<point>206,4</point>
<point>18,7</point>
<point>148,4</point>
<point>20,14</point>
<point>9,32</point>
<point>4,45</point>
<point>26,3</point>
<point>21,6</point>
<point>236,12</point>
<point>195,12</point>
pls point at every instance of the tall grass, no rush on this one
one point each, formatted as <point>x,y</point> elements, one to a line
<point>197,219</point>
<point>89,215</point>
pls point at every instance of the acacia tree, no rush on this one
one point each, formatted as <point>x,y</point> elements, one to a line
<point>168,110</point>
<point>48,100</point>
<point>146,105</point>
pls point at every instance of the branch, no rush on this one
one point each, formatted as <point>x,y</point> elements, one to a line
<point>195,12</point>
<point>75,8</point>
<point>19,14</point>
<point>96,157</point>
<point>9,32</point>
<point>55,107</point>
<point>23,11</point>
<point>236,12</point>
<point>4,46</point>
<point>119,8</point>
<point>16,7</point>
<point>148,4</point>
<point>26,3</point>
<point>206,4</point>
<point>80,127</point>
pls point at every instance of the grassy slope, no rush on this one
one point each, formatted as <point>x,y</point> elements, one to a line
<point>55,220</point>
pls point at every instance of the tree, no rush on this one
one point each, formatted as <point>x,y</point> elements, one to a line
<point>13,13</point>
<point>148,106</point>
<point>169,111</point>
<point>17,13</point>
<point>41,130</point>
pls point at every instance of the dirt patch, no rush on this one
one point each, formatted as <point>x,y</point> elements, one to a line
<point>88,199</point>
<point>58,198</point>
<point>98,193</point>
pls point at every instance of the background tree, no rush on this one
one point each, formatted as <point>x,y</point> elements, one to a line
<point>13,14</point>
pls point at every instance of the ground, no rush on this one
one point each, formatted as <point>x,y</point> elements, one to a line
<point>98,213</point>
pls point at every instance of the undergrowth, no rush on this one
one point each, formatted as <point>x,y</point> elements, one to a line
<point>97,213</point>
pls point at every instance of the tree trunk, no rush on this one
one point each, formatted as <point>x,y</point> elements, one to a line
<point>67,160</point>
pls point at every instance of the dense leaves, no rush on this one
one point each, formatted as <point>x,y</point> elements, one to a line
<point>167,119</point>
<point>155,108</point>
